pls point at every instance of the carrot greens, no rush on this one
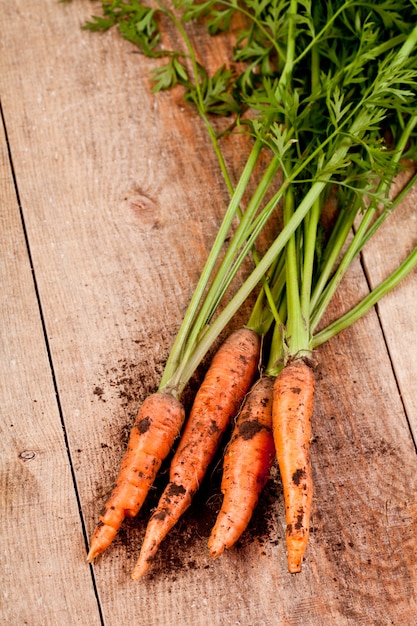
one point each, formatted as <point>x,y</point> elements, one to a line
<point>329,93</point>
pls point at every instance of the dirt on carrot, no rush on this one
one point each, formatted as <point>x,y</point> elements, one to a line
<point>293,403</point>
<point>247,463</point>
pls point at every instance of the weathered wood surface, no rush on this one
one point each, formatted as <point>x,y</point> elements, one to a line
<point>120,198</point>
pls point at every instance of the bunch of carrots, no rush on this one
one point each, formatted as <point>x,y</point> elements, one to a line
<point>328,93</point>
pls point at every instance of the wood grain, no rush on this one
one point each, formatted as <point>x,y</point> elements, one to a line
<point>385,252</point>
<point>39,509</point>
<point>121,198</point>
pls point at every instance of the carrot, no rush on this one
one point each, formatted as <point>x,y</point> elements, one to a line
<point>292,410</point>
<point>218,399</point>
<point>247,462</point>
<point>157,424</point>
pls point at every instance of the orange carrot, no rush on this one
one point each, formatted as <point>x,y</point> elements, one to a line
<point>220,395</point>
<point>247,463</point>
<point>157,424</point>
<point>292,411</point>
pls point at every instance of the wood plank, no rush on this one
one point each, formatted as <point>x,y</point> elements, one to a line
<point>39,509</point>
<point>111,178</point>
<point>382,256</point>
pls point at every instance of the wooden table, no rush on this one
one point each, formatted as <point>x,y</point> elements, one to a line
<point>110,198</point>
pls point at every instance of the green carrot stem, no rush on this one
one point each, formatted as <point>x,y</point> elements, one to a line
<point>265,310</point>
<point>286,74</point>
<point>332,251</point>
<point>187,367</point>
<point>368,302</point>
<point>278,353</point>
<point>352,251</point>
<point>360,237</point>
<point>383,216</point>
<point>186,327</point>
<point>406,50</point>
<point>297,337</point>
<point>312,218</point>
<point>234,258</point>
<point>311,225</point>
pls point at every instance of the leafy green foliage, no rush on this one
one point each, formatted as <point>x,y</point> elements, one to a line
<point>216,92</point>
<point>135,21</point>
<point>343,62</point>
<point>327,88</point>
<point>171,74</point>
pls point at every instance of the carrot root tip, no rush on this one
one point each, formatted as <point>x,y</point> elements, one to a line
<point>93,554</point>
<point>140,570</point>
<point>215,551</point>
<point>294,568</point>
